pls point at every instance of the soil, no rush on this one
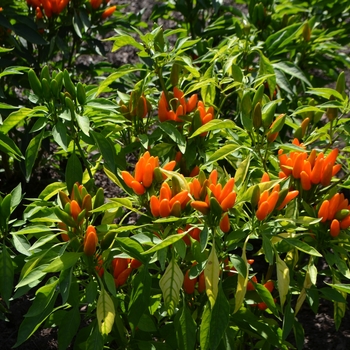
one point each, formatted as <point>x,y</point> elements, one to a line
<point>319,328</point>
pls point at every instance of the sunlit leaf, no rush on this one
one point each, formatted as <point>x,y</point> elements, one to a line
<point>170,284</point>
<point>105,312</point>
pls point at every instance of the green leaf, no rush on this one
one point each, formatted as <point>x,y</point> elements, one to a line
<point>35,229</point>
<point>302,246</point>
<point>220,317</point>
<point>291,69</point>
<point>59,134</point>
<point>208,91</point>
<point>124,40</point>
<point>223,152</point>
<point>165,243</point>
<point>51,190</point>
<point>42,241</point>
<point>74,172</point>
<point>42,299</point>
<point>95,340</point>
<point>6,275</point>
<point>283,279</point>
<point>174,134</point>
<point>341,287</point>
<point>205,328</point>
<point>131,247</point>
<point>266,68</point>
<point>63,262</point>
<point>105,312</point>
<point>28,33</point>
<point>84,123</point>
<point>14,119</point>
<point>7,106</point>
<point>277,41</point>
<point>215,124</point>
<point>123,70</point>
<point>32,153</point>
<point>211,274</point>
<point>326,93</point>
<point>170,284</point>
<point>140,297</point>
<point>186,330</point>
<point>242,171</point>
<point>68,327</point>
<point>8,146</point>
<point>21,244</point>
<point>107,150</point>
<point>266,297</point>
<point>31,324</point>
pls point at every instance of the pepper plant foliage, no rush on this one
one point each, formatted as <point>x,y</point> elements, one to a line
<point>230,154</point>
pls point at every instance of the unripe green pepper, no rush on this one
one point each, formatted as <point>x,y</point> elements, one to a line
<point>255,196</point>
<point>70,105</point>
<point>99,198</point>
<point>342,214</point>
<point>68,84</point>
<point>59,79</point>
<point>174,74</point>
<point>35,83</point>
<point>257,117</point>
<point>54,88</point>
<point>258,96</point>
<point>175,186</point>
<point>81,95</point>
<point>46,89</point>
<point>107,240</point>
<point>65,217</point>
<point>45,74</point>
<point>340,87</point>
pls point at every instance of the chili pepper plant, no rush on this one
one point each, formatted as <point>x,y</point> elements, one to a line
<point>231,160</point>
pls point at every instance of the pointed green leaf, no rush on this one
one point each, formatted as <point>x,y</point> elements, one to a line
<point>6,275</point>
<point>186,330</point>
<point>14,118</point>
<point>105,312</point>
<point>165,243</point>
<point>220,317</point>
<point>211,274</point>
<point>32,153</point>
<point>170,284</point>
<point>215,124</point>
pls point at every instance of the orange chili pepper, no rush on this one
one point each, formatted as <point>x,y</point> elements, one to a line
<point>269,285</point>
<point>263,211</point>
<point>138,188</point>
<point>323,211</point>
<point>227,189</point>
<point>272,201</point>
<point>225,223</point>
<point>290,196</point>
<point>327,174</point>
<point>154,206</point>
<point>90,241</point>
<point>75,209</point>
<point>191,103</point>
<point>119,265</point>
<point>164,208</point>
<point>335,228</point>
<point>189,284</point>
<point>229,201</point>
<point>305,181</point>
<point>201,206</point>
<point>135,264</point>
<point>122,278</point>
